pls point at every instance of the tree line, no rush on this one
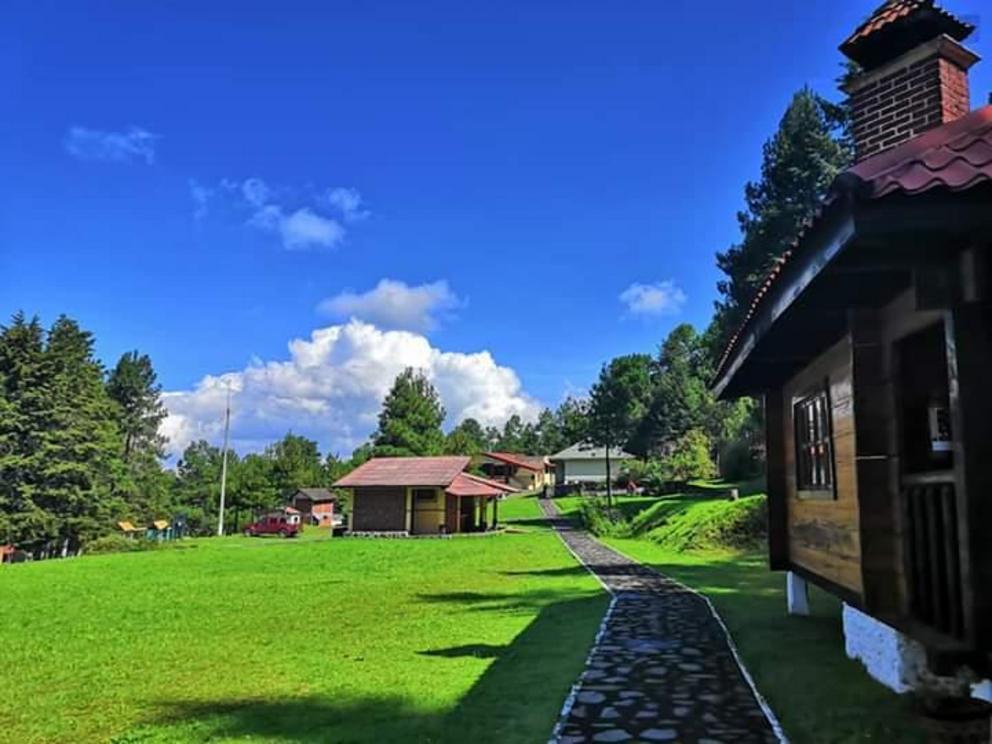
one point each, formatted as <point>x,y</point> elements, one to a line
<point>80,446</point>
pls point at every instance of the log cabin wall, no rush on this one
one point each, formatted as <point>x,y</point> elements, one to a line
<point>823,532</point>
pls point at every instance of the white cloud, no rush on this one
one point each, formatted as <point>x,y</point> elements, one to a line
<point>331,389</point>
<point>256,191</point>
<point>660,298</point>
<point>393,304</point>
<point>201,198</point>
<point>119,147</point>
<point>349,202</point>
<point>279,211</point>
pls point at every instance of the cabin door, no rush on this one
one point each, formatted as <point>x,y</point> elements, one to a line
<point>927,486</point>
<point>428,513</point>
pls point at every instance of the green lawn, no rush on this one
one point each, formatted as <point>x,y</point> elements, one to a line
<point>522,508</point>
<point>344,640</point>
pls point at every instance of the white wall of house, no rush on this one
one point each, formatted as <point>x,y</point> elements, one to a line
<point>590,470</point>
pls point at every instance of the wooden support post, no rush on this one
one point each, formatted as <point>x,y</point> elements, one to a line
<point>878,488</point>
<point>797,594</point>
<point>495,512</point>
<point>778,537</point>
<point>968,333</point>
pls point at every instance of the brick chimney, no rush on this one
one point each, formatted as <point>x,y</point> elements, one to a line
<point>913,76</point>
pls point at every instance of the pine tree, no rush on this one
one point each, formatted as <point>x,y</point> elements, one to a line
<point>468,438</point>
<point>618,401</point>
<point>24,404</point>
<point>133,385</point>
<point>295,464</point>
<point>411,417</point>
<point>80,445</point>
<point>800,161</point>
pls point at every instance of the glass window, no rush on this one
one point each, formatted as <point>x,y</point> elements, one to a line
<point>814,448</point>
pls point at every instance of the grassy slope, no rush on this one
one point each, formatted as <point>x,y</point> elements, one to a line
<point>798,663</point>
<point>317,640</point>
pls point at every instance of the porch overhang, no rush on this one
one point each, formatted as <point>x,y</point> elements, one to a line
<point>860,254</point>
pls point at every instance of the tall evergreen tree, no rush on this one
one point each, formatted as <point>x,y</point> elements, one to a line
<point>81,445</point>
<point>133,385</point>
<point>295,464</point>
<point>411,417</point>
<point>24,417</point>
<point>800,161</point>
<point>618,401</point>
<point>468,438</point>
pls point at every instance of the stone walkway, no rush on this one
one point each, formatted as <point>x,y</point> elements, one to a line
<point>662,669</point>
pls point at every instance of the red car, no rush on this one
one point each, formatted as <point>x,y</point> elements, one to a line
<point>286,523</point>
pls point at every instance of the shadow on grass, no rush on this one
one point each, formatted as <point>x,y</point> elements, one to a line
<point>474,650</point>
<point>516,698</point>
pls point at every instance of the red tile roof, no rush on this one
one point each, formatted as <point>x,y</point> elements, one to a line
<point>955,157</point>
<point>896,17</point>
<point>405,471</point>
<point>466,484</point>
<point>521,461</point>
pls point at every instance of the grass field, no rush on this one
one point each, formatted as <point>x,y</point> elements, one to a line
<point>469,639</point>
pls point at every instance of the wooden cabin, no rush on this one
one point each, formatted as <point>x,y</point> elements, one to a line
<point>316,505</point>
<point>871,344</point>
<point>523,472</point>
<point>421,496</point>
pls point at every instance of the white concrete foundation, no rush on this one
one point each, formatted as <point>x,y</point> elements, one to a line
<point>797,594</point>
<point>895,660</point>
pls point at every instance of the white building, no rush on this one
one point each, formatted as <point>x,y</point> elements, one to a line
<point>582,463</point>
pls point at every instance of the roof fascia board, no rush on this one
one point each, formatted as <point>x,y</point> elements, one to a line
<point>830,240</point>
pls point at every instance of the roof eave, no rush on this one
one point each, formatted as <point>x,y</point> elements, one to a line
<point>821,247</point>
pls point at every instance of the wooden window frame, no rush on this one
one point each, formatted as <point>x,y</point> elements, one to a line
<point>800,406</point>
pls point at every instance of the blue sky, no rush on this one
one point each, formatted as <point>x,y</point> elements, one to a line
<point>513,168</point>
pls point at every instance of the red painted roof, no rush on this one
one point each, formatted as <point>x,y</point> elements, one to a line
<point>405,471</point>
<point>898,25</point>
<point>466,484</point>
<point>956,156</point>
<point>521,461</point>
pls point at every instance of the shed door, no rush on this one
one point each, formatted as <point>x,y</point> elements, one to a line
<point>428,511</point>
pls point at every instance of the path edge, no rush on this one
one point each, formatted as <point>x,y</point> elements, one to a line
<point>566,708</point>
<point>759,698</point>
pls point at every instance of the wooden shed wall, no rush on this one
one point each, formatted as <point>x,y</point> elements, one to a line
<point>823,534</point>
<point>379,508</point>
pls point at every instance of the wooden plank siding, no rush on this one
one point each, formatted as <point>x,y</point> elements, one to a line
<point>824,534</point>
<point>379,509</point>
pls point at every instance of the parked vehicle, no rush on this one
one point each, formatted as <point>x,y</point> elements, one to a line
<point>286,523</point>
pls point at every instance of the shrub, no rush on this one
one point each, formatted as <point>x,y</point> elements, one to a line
<point>600,520</point>
<point>118,544</point>
<point>690,458</point>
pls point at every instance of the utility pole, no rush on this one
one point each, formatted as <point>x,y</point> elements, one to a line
<point>223,464</point>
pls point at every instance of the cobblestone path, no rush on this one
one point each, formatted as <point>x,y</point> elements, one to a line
<point>662,669</point>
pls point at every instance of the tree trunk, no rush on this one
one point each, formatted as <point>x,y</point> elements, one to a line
<point>609,480</point>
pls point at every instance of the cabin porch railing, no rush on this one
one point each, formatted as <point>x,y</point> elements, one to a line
<point>931,535</point>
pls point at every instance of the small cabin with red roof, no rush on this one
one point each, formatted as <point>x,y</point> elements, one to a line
<point>871,345</point>
<point>421,496</point>
<point>524,472</point>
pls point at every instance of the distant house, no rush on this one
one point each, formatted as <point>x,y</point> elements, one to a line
<point>421,496</point>
<point>582,463</point>
<point>315,504</point>
<point>525,472</point>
